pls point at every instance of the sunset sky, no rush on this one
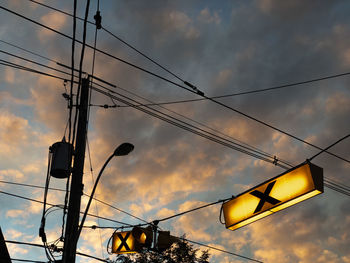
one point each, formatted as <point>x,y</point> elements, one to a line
<point>222,47</point>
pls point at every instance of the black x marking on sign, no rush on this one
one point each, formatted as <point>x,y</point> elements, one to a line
<point>123,240</point>
<point>264,197</point>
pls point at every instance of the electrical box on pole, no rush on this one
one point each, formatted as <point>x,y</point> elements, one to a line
<point>76,190</point>
<point>61,159</point>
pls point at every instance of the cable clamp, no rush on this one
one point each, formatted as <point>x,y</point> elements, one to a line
<point>201,93</point>
<point>98,20</point>
<point>275,160</point>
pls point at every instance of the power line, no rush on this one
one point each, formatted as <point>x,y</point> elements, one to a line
<point>27,260</point>
<point>221,250</point>
<point>330,146</point>
<point>17,66</point>
<point>63,190</point>
<point>192,88</point>
<point>193,209</point>
<point>115,36</point>
<point>26,50</point>
<point>72,74</point>
<point>41,246</point>
<point>40,202</point>
<point>98,50</point>
<point>162,118</point>
<point>249,147</point>
<point>330,186</point>
<point>34,62</point>
<point>30,185</point>
<point>52,60</point>
<point>178,123</point>
<point>183,125</point>
<point>179,78</point>
<point>240,143</point>
<point>252,91</point>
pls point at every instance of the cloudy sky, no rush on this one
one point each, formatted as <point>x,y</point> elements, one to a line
<point>222,47</point>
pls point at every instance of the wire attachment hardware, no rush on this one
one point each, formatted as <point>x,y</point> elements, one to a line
<point>98,20</point>
<point>201,93</point>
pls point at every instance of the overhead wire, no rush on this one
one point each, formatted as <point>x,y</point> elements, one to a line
<point>94,198</point>
<point>39,245</point>
<point>277,129</point>
<point>221,250</point>
<point>155,115</point>
<point>115,36</point>
<point>246,145</point>
<point>26,50</point>
<point>60,206</point>
<point>72,72</point>
<point>160,117</point>
<point>330,146</point>
<point>83,43</point>
<point>191,88</point>
<point>181,124</point>
<point>192,210</point>
<point>331,187</point>
<point>209,135</point>
<point>191,241</point>
<point>27,260</point>
<point>97,16</point>
<point>238,144</point>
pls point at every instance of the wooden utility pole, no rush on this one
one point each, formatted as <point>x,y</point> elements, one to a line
<point>76,190</point>
<point>4,254</point>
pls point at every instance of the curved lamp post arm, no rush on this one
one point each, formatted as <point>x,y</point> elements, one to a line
<point>123,149</point>
<point>92,194</point>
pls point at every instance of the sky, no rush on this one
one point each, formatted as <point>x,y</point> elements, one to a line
<point>221,47</point>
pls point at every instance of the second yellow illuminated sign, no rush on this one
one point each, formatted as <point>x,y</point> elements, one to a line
<point>282,191</point>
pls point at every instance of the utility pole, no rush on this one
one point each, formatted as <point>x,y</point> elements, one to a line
<point>4,253</point>
<point>76,190</point>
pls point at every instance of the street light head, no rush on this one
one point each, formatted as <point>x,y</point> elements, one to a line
<point>123,149</point>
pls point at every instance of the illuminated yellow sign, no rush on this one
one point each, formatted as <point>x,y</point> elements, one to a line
<point>282,191</point>
<point>132,241</point>
<point>123,243</point>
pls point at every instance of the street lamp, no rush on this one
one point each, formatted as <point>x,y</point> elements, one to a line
<point>121,150</point>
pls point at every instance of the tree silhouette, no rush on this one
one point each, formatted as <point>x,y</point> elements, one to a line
<point>180,252</point>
